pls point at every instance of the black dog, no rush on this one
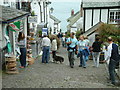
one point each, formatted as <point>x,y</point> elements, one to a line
<point>58,58</point>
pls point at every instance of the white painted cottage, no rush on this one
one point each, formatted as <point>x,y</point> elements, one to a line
<point>41,10</point>
<point>54,25</point>
<point>98,11</point>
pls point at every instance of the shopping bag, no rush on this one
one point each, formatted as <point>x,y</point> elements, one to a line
<point>41,53</point>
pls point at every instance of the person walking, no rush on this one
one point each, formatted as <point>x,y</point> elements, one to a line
<point>113,56</point>
<point>46,43</point>
<point>72,48</point>
<point>96,48</point>
<point>87,41</point>
<point>87,46</point>
<point>82,51</point>
<point>63,41</point>
<point>54,47</point>
<point>22,45</point>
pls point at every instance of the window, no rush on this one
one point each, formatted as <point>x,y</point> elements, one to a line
<point>5,1</point>
<point>111,16</point>
<point>114,16</point>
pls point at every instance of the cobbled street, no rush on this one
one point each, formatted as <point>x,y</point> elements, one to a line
<point>56,75</point>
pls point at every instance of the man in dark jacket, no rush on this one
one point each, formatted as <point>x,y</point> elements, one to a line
<point>96,51</point>
<point>113,56</point>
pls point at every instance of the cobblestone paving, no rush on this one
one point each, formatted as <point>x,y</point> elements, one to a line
<point>55,75</point>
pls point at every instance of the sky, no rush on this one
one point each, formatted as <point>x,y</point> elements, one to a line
<point>62,10</point>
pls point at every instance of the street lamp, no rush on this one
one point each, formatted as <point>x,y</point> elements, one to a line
<point>51,10</point>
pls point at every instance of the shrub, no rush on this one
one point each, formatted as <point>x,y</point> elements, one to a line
<point>106,30</point>
<point>40,33</point>
<point>78,33</point>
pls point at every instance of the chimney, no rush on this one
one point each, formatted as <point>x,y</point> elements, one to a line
<point>72,12</point>
<point>81,9</point>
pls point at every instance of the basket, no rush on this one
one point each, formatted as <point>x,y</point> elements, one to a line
<point>30,61</point>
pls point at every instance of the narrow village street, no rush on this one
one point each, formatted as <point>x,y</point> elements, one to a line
<point>54,75</point>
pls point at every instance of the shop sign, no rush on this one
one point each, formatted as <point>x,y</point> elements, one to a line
<point>32,19</point>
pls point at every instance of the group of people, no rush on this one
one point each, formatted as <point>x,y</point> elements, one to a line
<point>80,47</point>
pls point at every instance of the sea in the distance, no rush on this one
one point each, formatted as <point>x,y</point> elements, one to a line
<point>62,11</point>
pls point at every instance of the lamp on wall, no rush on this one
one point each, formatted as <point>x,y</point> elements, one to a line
<point>51,10</point>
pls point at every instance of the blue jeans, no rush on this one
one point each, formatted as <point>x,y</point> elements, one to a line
<point>46,54</point>
<point>111,68</point>
<point>23,57</point>
<point>82,59</point>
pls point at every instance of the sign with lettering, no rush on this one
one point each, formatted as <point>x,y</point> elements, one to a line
<point>44,31</point>
<point>32,19</point>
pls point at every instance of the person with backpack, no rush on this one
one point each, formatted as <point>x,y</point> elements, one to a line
<point>113,56</point>
<point>72,48</point>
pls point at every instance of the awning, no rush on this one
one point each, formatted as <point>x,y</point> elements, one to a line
<point>15,26</point>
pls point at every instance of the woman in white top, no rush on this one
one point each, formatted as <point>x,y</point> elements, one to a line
<point>54,47</point>
<point>81,46</point>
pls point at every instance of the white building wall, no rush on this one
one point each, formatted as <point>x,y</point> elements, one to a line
<point>96,16</point>
<point>11,3</point>
<point>51,23</point>
<point>3,33</point>
<point>88,19</point>
<point>1,36</point>
<point>42,10</point>
<point>104,15</point>
<point>92,38</point>
<point>25,26</point>
<point>59,28</point>
<point>36,8</point>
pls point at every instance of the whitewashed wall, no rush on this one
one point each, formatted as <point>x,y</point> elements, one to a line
<point>96,16</point>
<point>92,38</point>
<point>11,3</point>
<point>104,15</point>
<point>1,36</point>
<point>88,19</point>
<point>59,27</point>
<point>51,25</point>
<point>36,8</point>
<point>3,42</point>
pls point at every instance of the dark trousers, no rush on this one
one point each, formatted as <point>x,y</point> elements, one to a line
<point>53,54</point>
<point>23,57</point>
<point>112,65</point>
<point>71,58</point>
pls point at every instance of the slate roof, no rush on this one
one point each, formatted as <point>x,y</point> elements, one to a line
<point>55,19</point>
<point>8,13</point>
<point>70,18</point>
<point>100,4</point>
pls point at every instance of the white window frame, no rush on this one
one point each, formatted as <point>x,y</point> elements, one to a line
<point>116,15</point>
<point>5,1</point>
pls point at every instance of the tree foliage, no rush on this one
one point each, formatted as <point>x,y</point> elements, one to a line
<point>106,30</point>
